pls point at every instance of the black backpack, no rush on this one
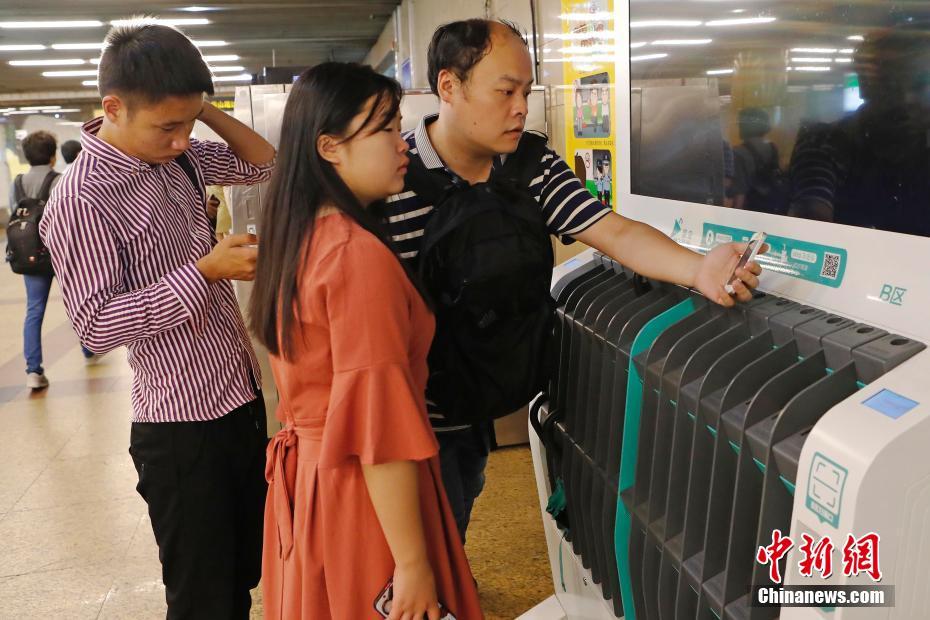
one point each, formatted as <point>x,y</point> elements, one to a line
<point>25,251</point>
<point>486,260</point>
<point>769,189</point>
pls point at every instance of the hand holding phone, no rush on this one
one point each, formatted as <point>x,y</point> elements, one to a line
<point>384,602</point>
<point>752,248</point>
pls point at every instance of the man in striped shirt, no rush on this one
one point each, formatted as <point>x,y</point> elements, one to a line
<point>482,72</point>
<point>140,267</point>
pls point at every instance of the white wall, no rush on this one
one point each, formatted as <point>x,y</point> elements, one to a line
<point>383,45</point>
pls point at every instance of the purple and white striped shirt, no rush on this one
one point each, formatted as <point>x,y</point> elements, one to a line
<point>124,237</point>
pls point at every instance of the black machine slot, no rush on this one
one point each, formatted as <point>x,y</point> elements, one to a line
<point>729,400</point>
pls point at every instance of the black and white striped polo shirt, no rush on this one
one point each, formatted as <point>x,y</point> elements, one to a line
<point>567,205</point>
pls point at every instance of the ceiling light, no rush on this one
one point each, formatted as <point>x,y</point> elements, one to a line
<point>40,107</point>
<point>720,72</point>
<point>856,37</point>
<point>197,9</point>
<point>747,21</point>
<point>221,58</point>
<point>227,69</point>
<point>665,23</point>
<point>814,50</point>
<point>210,43</point>
<point>19,112</point>
<point>811,59</point>
<point>847,50</point>
<point>183,21</point>
<point>79,46</point>
<point>21,48</point>
<point>810,68</point>
<point>94,61</point>
<point>738,11</point>
<point>638,45</point>
<point>843,60</point>
<point>682,42</point>
<point>647,57</point>
<point>89,83</point>
<point>69,74</point>
<point>48,62</point>
<point>234,78</point>
<point>57,24</point>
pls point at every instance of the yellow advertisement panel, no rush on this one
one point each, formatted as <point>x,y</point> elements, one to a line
<point>588,48</point>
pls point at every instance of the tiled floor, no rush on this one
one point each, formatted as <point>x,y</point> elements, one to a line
<point>75,539</point>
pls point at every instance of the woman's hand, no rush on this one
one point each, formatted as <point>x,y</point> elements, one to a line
<point>414,593</point>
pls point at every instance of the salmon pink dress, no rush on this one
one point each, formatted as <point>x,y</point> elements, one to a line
<point>352,394</point>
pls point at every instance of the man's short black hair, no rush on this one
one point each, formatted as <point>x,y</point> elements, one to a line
<point>70,150</point>
<point>151,62</point>
<point>39,148</point>
<point>459,46</point>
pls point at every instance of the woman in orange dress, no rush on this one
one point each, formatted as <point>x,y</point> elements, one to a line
<point>357,524</point>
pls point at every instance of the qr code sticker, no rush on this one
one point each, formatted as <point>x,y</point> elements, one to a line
<point>831,265</point>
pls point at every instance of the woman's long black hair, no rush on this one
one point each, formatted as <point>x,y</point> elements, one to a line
<point>324,100</point>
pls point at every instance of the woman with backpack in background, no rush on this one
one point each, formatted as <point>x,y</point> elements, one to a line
<point>357,524</point>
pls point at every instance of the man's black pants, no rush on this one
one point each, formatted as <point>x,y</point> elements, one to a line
<point>204,483</point>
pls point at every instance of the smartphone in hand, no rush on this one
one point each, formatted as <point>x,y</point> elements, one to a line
<point>384,600</point>
<point>755,244</point>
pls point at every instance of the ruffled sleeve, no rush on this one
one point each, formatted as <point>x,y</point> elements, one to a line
<point>376,408</point>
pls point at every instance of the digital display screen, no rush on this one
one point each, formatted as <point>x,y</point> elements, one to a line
<point>816,110</point>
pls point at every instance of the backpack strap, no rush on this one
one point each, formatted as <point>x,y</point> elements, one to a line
<point>522,164</point>
<point>429,185</point>
<point>187,166</point>
<point>19,192</point>
<point>46,188</point>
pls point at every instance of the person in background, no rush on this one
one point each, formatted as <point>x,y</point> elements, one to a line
<point>140,267</point>
<point>217,205</point>
<point>356,521</point>
<point>39,148</point>
<point>758,181</point>
<point>70,149</point>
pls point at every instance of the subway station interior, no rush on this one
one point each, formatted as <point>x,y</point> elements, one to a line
<point>673,436</point>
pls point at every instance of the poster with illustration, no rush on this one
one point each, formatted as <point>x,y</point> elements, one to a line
<point>592,99</point>
<point>595,169</point>
<point>589,43</point>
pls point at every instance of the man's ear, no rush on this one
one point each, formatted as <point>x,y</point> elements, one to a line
<point>114,108</point>
<point>447,83</point>
<point>328,148</point>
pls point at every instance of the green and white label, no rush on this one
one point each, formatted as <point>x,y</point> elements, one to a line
<point>825,483</point>
<point>813,262</point>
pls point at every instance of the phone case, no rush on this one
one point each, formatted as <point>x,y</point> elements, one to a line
<point>383,603</point>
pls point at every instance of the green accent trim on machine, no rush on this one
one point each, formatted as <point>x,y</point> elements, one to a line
<point>787,484</point>
<point>672,402</point>
<point>735,446</point>
<point>692,416</point>
<point>759,464</point>
<point>628,452</point>
<point>712,430</point>
<point>556,503</point>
